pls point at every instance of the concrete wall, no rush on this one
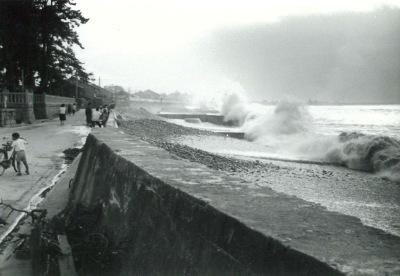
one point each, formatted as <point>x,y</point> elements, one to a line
<point>53,104</point>
<point>47,106</point>
<point>209,118</point>
<point>166,231</point>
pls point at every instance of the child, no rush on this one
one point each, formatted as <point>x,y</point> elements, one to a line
<point>18,146</point>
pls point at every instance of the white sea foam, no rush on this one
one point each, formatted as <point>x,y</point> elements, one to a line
<point>290,131</point>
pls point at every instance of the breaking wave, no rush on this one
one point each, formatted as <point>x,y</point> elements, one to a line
<point>235,108</point>
<point>379,154</point>
<point>287,119</point>
<point>287,130</point>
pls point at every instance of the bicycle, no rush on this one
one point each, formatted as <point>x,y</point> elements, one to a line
<point>6,161</point>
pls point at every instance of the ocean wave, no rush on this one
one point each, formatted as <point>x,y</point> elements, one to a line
<point>287,119</point>
<point>289,131</point>
<point>378,154</point>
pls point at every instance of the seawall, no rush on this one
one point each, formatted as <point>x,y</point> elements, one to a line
<point>162,215</point>
<point>208,118</point>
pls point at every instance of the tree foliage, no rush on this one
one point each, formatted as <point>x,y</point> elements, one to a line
<point>36,44</point>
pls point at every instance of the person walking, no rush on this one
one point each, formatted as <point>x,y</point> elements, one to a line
<point>104,116</point>
<point>74,109</point>
<point>96,117</point>
<point>62,114</point>
<point>18,146</point>
<point>89,113</point>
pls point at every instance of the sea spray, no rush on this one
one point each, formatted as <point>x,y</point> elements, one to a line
<point>288,131</point>
<point>287,119</point>
<point>379,154</point>
<point>235,108</point>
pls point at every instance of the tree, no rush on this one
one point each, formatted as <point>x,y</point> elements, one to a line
<point>36,43</point>
<point>16,37</point>
<point>58,22</point>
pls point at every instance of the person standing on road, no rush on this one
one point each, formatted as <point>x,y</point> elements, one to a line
<point>74,109</point>
<point>63,116</point>
<point>18,146</point>
<point>96,117</point>
<point>69,109</point>
<point>88,112</point>
<point>104,116</point>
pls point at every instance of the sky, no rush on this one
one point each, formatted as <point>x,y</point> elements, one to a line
<point>171,45</point>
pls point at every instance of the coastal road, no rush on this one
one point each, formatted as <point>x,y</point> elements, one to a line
<point>46,143</point>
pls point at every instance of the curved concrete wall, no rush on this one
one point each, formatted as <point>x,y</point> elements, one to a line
<point>209,118</point>
<point>168,231</point>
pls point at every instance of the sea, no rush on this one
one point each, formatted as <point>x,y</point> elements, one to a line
<point>343,157</point>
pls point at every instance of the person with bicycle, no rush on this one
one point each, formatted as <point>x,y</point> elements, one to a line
<point>18,146</point>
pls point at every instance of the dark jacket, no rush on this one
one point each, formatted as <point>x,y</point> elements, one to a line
<point>88,112</point>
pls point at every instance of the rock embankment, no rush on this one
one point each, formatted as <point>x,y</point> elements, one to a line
<point>159,133</point>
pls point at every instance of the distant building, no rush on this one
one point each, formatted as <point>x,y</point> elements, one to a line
<point>121,98</point>
<point>147,94</point>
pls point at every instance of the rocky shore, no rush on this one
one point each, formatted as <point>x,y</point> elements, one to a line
<point>163,134</point>
<point>160,133</point>
<point>336,188</point>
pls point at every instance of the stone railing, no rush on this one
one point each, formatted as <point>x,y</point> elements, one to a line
<point>28,106</point>
<point>15,99</point>
<point>18,105</point>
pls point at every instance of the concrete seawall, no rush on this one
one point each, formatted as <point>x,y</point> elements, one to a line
<point>208,118</point>
<point>163,215</point>
<point>171,232</point>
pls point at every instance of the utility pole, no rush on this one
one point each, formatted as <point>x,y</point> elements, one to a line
<point>76,88</point>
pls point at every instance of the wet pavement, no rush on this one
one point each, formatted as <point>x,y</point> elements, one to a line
<point>46,143</point>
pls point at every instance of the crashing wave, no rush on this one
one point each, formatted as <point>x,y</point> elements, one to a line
<point>287,119</point>
<point>288,131</point>
<point>235,109</point>
<point>378,154</point>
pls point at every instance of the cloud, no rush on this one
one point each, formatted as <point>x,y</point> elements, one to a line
<point>348,57</point>
<point>164,45</point>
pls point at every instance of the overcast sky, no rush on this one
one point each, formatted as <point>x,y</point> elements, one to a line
<point>169,45</point>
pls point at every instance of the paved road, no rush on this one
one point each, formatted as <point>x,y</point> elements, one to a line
<point>46,143</point>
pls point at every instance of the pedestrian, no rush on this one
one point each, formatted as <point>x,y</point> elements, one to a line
<point>104,116</point>
<point>74,109</point>
<point>62,115</point>
<point>89,112</point>
<point>96,117</point>
<point>69,109</point>
<point>19,154</point>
